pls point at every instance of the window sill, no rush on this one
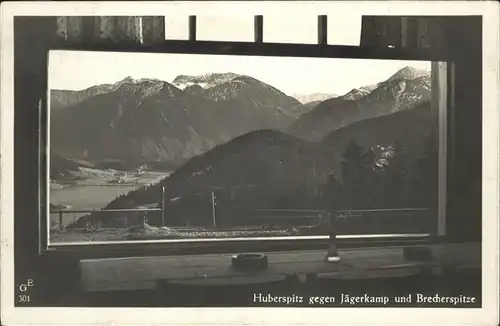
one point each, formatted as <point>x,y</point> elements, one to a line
<point>139,273</point>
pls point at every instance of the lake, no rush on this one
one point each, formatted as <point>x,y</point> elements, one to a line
<point>91,194</point>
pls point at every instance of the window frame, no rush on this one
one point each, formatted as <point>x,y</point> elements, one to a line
<point>158,247</point>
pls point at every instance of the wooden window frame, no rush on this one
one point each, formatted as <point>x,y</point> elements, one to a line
<point>440,104</point>
<point>221,245</point>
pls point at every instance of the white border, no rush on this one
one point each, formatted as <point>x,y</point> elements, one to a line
<point>488,315</point>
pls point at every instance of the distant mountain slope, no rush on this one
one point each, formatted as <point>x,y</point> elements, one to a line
<point>248,98</point>
<point>269,169</point>
<point>62,168</point>
<point>311,105</point>
<point>399,92</point>
<point>406,73</point>
<point>230,89</point>
<point>205,81</point>
<point>356,94</point>
<point>313,97</point>
<point>409,73</point>
<point>410,127</point>
<point>263,158</point>
<point>260,169</point>
<point>151,120</point>
<point>145,120</point>
<point>60,99</point>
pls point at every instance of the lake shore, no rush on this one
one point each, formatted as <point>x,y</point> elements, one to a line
<point>95,193</point>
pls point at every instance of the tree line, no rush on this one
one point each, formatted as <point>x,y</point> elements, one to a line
<point>384,177</point>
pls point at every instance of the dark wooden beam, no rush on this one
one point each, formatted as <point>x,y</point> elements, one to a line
<point>409,33</point>
<point>381,31</point>
<point>33,37</point>
<point>153,29</point>
<point>258,29</point>
<point>192,28</point>
<point>110,29</point>
<point>322,29</point>
<point>370,32</point>
<point>265,49</point>
<point>458,39</point>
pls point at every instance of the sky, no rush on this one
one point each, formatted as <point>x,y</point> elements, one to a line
<point>76,70</point>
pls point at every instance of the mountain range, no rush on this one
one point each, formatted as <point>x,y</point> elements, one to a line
<point>60,99</point>
<point>204,81</point>
<point>243,139</point>
<point>62,168</point>
<point>402,91</point>
<point>270,169</point>
<point>149,120</point>
<point>313,97</point>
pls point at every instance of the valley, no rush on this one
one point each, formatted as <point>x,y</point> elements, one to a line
<point>226,144</point>
<point>96,190</point>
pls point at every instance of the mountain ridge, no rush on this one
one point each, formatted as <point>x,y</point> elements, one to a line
<point>399,92</point>
<point>158,121</point>
<point>268,168</point>
<point>133,119</point>
<point>312,97</point>
<point>205,81</point>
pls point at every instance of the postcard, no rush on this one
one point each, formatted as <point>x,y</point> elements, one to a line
<point>223,162</point>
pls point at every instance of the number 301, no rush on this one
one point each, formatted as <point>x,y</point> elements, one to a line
<point>23,298</point>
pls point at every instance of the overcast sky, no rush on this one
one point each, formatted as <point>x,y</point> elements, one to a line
<point>75,70</point>
<point>79,70</point>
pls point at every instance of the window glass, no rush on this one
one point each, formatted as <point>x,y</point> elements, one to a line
<point>219,146</point>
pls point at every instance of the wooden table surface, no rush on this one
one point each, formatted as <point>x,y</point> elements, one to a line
<point>215,269</point>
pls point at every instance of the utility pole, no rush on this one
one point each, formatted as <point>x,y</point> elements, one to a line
<point>162,206</point>
<point>213,210</point>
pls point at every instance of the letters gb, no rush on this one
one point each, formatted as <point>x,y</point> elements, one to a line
<point>24,287</point>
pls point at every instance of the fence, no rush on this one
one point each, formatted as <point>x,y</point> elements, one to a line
<point>355,221</point>
<point>268,214</point>
<point>291,212</point>
<point>60,213</point>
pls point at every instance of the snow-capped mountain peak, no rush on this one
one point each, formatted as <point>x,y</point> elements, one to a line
<point>355,94</point>
<point>312,97</point>
<point>409,73</point>
<point>206,81</point>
